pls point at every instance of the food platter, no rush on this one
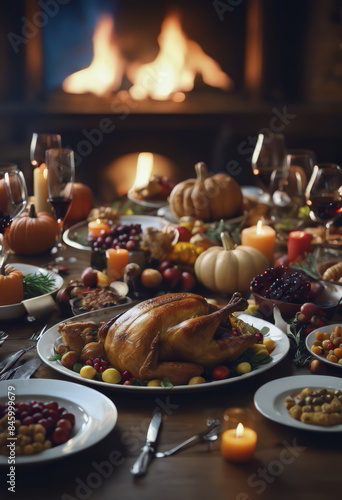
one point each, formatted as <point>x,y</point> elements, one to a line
<point>310,339</point>
<point>45,349</point>
<point>96,415</point>
<point>167,214</point>
<point>16,311</point>
<point>77,236</point>
<point>146,203</point>
<point>269,399</point>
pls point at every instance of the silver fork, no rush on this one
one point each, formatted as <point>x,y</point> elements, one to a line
<point>35,336</point>
<point>210,434</point>
<point>13,358</point>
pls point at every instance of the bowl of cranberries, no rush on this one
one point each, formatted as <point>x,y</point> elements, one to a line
<point>289,289</point>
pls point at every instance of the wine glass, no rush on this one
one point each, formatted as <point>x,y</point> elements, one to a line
<point>324,194</point>
<point>40,143</point>
<point>268,156</point>
<point>61,176</point>
<point>13,200</point>
<point>300,163</point>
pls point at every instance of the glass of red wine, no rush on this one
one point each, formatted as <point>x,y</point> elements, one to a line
<point>324,194</point>
<point>61,176</point>
<point>40,143</point>
<point>13,200</point>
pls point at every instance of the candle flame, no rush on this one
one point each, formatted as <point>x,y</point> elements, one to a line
<point>98,221</point>
<point>259,228</point>
<point>240,430</point>
<point>144,170</point>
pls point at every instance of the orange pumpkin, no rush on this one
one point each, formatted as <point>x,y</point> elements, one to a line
<point>207,198</point>
<point>11,286</point>
<point>33,233</point>
<point>82,203</point>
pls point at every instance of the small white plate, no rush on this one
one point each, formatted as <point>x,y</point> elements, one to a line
<point>146,203</point>
<point>252,193</point>
<point>96,415</point>
<point>16,311</point>
<point>310,339</point>
<point>45,349</point>
<point>77,236</point>
<point>269,399</point>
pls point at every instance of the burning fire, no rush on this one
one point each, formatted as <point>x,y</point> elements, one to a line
<point>106,70</point>
<point>144,170</point>
<point>172,73</point>
<point>175,67</point>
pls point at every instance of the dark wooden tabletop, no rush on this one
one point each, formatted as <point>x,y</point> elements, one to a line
<point>288,463</point>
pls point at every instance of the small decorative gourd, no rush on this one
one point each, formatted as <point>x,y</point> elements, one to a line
<point>33,233</point>
<point>230,268</point>
<point>11,286</point>
<point>207,197</point>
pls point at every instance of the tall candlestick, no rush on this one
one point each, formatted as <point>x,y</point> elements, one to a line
<point>41,189</point>
<point>261,237</point>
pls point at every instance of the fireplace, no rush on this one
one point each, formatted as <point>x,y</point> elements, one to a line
<point>187,81</point>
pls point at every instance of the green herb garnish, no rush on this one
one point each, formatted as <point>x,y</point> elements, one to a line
<point>36,284</point>
<point>55,357</point>
<point>166,383</point>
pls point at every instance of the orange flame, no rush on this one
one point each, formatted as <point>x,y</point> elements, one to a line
<point>175,67</point>
<point>106,69</point>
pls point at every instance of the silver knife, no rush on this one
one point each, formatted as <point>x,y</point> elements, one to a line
<point>140,466</point>
<point>26,370</point>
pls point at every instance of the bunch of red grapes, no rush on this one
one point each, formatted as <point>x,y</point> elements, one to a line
<point>119,236</point>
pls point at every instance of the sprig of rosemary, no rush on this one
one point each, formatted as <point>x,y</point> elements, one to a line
<point>36,284</point>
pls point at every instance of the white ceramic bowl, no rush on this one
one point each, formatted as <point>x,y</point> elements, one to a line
<point>16,311</point>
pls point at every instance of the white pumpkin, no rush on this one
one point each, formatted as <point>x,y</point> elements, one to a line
<point>231,268</point>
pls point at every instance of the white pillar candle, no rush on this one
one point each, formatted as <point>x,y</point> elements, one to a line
<point>41,189</point>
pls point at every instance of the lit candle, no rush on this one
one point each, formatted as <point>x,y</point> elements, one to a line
<point>299,243</point>
<point>261,237</point>
<point>238,445</point>
<point>96,226</point>
<point>41,189</point>
<point>117,260</point>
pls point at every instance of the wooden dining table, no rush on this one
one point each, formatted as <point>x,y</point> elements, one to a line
<point>288,464</point>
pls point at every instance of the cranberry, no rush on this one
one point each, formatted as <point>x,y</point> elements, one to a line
<point>235,332</point>
<point>104,362</point>
<point>96,366</point>
<point>331,346</point>
<point>27,421</point>
<point>50,423</point>
<point>63,423</point>
<point>36,417</point>
<point>54,415</point>
<point>44,423</point>
<point>60,436</point>
<point>259,336</point>
<point>220,373</point>
<point>97,360</point>
<point>70,417</point>
<point>89,362</point>
<point>127,382</point>
<point>126,375</point>
<point>23,407</point>
<point>61,409</point>
<point>23,415</point>
<point>37,408</point>
<point>52,405</point>
<point>45,412</point>
<point>130,245</point>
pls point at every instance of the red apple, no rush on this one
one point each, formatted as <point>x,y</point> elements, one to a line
<point>165,265</point>
<point>172,276</point>
<point>188,281</point>
<point>184,233</point>
<point>89,277</point>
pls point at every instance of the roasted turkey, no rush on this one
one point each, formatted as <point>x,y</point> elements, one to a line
<point>174,336</point>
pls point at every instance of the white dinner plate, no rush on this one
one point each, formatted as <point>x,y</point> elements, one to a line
<point>146,203</point>
<point>46,344</point>
<point>16,311</point>
<point>95,414</point>
<point>77,236</point>
<point>167,214</point>
<point>269,399</point>
<point>310,339</point>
